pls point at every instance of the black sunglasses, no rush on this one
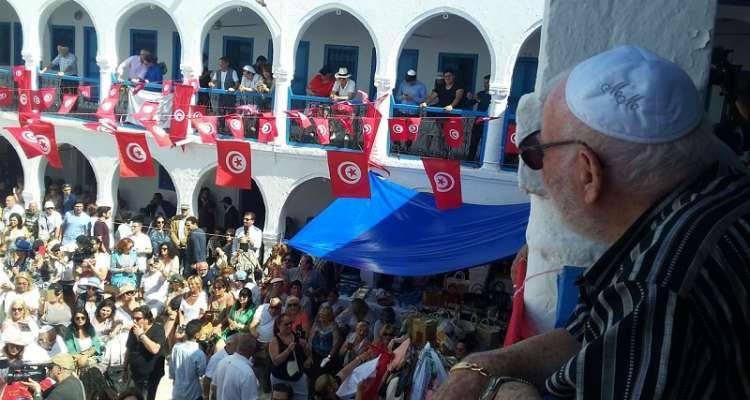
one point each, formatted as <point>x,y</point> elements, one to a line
<point>532,152</point>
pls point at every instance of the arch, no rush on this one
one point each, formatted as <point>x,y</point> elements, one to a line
<point>526,37</point>
<point>79,25</point>
<point>306,189</point>
<point>10,163</point>
<point>133,7</point>
<point>50,6</point>
<point>417,21</point>
<point>256,193</point>
<point>44,167</point>
<point>144,188</point>
<point>308,19</point>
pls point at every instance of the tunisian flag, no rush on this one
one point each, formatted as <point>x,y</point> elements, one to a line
<point>180,112</point>
<point>161,137</point>
<point>397,127</point>
<point>27,140</point>
<point>300,118</point>
<point>445,179</point>
<point>519,327</point>
<point>146,112</point>
<point>69,100</point>
<point>369,130</point>
<point>348,172</point>
<point>135,158</point>
<point>85,91</point>
<point>267,131</point>
<point>45,136</point>
<point>322,130</point>
<point>44,97</point>
<point>510,139</point>
<point>6,96</point>
<point>236,125</point>
<point>206,127</point>
<point>412,127</point>
<point>106,110</point>
<point>233,164</point>
<point>114,91</point>
<point>166,87</point>
<point>19,73</point>
<point>453,130</point>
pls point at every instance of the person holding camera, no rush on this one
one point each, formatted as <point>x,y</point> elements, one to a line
<point>68,386</point>
<point>290,355</point>
<point>251,232</point>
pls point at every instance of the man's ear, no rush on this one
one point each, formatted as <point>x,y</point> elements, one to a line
<point>590,175</point>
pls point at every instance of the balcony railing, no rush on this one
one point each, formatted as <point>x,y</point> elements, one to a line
<point>249,105</point>
<point>430,141</point>
<point>6,80</point>
<point>85,108</point>
<point>323,107</point>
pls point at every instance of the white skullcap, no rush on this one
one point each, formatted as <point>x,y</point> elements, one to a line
<point>632,94</point>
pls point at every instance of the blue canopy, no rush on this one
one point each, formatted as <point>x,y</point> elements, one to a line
<point>400,232</point>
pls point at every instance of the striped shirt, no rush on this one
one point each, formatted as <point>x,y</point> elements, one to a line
<point>665,312</point>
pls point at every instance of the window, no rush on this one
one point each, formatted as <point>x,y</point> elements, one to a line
<point>465,67</point>
<point>142,39</point>
<point>176,56</point>
<point>62,34</point>
<point>239,50</point>
<point>5,43</point>
<point>337,56</point>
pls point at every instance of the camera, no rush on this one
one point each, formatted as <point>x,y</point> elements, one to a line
<point>23,372</point>
<point>84,249</point>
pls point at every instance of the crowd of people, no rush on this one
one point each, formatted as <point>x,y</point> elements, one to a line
<point>129,304</point>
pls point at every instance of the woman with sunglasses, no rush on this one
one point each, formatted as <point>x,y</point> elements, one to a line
<point>89,295</point>
<point>158,233</point>
<point>82,341</point>
<point>104,322</point>
<point>239,316</point>
<point>220,302</point>
<point>290,355</point>
<point>325,343</point>
<point>21,319</point>
<point>127,303</point>
<point>194,303</point>
<point>300,318</point>
<point>167,260</point>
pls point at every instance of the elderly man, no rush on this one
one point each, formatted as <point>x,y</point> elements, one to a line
<point>11,207</point>
<point>134,67</point>
<point>68,387</point>
<point>626,157</point>
<point>65,62</point>
<point>235,379</point>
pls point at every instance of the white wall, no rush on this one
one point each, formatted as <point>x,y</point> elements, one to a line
<point>63,15</point>
<point>148,19</point>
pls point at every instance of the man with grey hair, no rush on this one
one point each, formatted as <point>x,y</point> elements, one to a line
<point>235,379</point>
<point>628,160</point>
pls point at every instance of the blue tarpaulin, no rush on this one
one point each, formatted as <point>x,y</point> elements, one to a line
<point>399,231</point>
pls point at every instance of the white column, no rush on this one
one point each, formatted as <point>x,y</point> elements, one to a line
<point>493,140</point>
<point>185,182</point>
<point>32,179</point>
<point>384,84</point>
<point>282,82</point>
<point>105,75</point>
<point>32,61</point>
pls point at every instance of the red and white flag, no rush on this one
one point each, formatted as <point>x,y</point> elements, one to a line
<point>206,127</point>
<point>45,136</point>
<point>48,95</point>
<point>322,130</point>
<point>267,131</point>
<point>372,111</point>
<point>135,157</point>
<point>161,137</point>
<point>397,127</point>
<point>236,125</point>
<point>146,112</point>
<point>194,83</point>
<point>180,112</point>
<point>106,110</point>
<point>369,131</point>
<point>348,172</point>
<point>19,72</point>
<point>346,123</point>
<point>114,91</point>
<point>251,109</point>
<point>453,130</point>
<point>300,118</point>
<point>445,179</point>
<point>69,100</point>
<point>6,96</point>
<point>510,139</point>
<point>166,87</point>
<point>27,140</point>
<point>28,117</point>
<point>197,111</point>
<point>85,91</point>
<point>233,164</point>
<point>412,128</point>
<point>36,100</point>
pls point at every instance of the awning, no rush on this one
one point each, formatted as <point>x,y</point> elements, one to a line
<point>400,232</point>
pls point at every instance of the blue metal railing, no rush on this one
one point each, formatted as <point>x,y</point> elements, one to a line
<point>68,84</point>
<point>430,141</point>
<point>323,107</point>
<point>221,102</point>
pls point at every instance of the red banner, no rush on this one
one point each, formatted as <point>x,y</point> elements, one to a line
<point>6,96</point>
<point>180,112</point>
<point>114,91</point>
<point>197,111</point>
<point>161,137</point>
<point>369,131</point>
<point>412,128</point>
<point>69,100</point>
<point>348,172</point>
<point>19,74</point>
<point>453,130</point>
<point>300,118</point>
<point>27,140</point>
<point>322,130</point>
<point>28,117</point>
<point>146,112</point>
<point>267,131</point>
<point>345,122</point>
<point>445,179</point>
<point>45,135</point>
<point>166,87</point>
<point>48,96</point>
<point>135,158</point>
<point>236,125</point>
<point>233,164</point>
<point>206,127</point>
<point>106,110</point>
<point>510,139</point>
<point>85,91</point>
<point>397,127</point>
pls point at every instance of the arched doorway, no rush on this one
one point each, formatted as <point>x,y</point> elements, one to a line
<point>336,39</point>
<point>68,24</point>
<point>136,196</point>
<point>443,44</point>
<point>149,27</point>
<point>11,171</point>
<point>209,206</point>
<point>76,171</point>
<point>11,41</point>
<point>304,203</point>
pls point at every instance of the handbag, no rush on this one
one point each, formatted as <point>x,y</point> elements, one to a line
<point>292,367</point>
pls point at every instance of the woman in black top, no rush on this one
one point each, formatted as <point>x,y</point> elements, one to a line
<point>289,355</point>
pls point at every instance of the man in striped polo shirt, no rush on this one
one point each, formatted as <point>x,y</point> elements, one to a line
<point>628,160</point>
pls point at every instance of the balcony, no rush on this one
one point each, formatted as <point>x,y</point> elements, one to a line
<point>84,108</point>
<point>344,123</point>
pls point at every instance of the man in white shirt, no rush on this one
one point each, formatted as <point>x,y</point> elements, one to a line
<point>187,365</point>
<point>235,379</point>
<point>49,222</point>
<point>12,207</point>
<point>65,62</point>
<point>213,363</point>
<point>134,67</point>
<point>251,232</point>
<point>344,88</point>
<point>142,245</point>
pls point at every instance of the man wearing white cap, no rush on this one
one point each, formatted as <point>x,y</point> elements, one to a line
<point>627,158</point>
<point>50,222</point>
<point>344,88</point>
<point>411,91</point>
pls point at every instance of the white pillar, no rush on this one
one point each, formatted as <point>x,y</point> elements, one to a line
<point>33,184</point>
<point>282,82</point>
<point>32,61</point>
<point>493,140</point>
<point>105,76</point>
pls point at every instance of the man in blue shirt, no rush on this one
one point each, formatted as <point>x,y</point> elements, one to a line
<point>411,91</point>
<point>68,199</point>
<point>75,223</point>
